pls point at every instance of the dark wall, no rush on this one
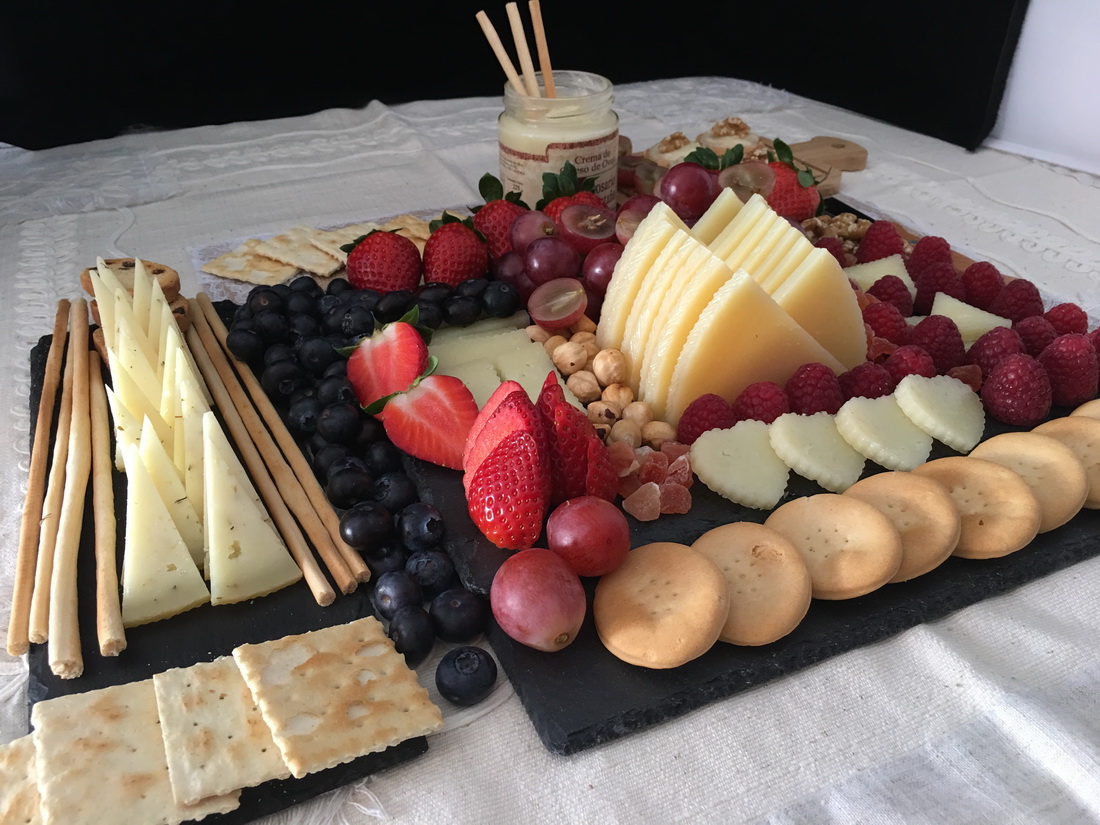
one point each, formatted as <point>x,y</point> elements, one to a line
<point>73,72</point>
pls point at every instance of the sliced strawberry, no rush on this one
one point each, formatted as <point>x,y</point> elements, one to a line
<point>602,477</point>
<point>387,362</point>
<point>498,395</point>
<point>570,430</point>
<point>550,395</point>
<point>507,496</point>
<point>431,420</point>
<point>516,413</point>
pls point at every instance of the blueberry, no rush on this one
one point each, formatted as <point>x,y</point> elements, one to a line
<point>272,326</point>
<point>264,298</point>
<point>367,525</point>
<point>315,353</point>
<point>459,615</point>
<point>328,303</point>
<point>301,326</point>
<point>412,634</point>
<point>471,288</point>
<point>339,286</point>
<point>420,526</point>
<point>466,675</point>
<point>339,423</point>
<point>300,303</point>
<point>349,487</point>
<point>357,321</point>
<point>282,290</point>
<point>461,310</point>
<point>393,305</point>
<point>282,380</point>
<point>307,286</point>
<point>349,461</point>
<point>394,490</point>
<point>336,390</point>
<point>429,314</point>
<point>365,298</point>
<point>302,415</point>
<point>242,315</point>
<point>371,432</point>
<point>500,299</point>
<point>383,457</point>
<point>278,352</point>
<point>325,457</point>
<point>394,590</point>
<point>338,367</point>
<point>389,557</point>
<point>245,344</point>
<point>433,570</point>
<point>332,321</point>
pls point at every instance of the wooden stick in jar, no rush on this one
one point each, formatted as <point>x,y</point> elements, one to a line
<point>524,53</point>
<point>26,560</point>
<point>542,47</point>
<point>205,349</point>
<point>109,628</point>
<point>64,653</point>
<point>498,49</point>
<point>290,449</point>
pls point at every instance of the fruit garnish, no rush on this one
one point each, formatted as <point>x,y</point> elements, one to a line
<point>384,261</point>
<point>431,420</point>
<point>1071,365</point>
<point>1068,317</point>
<point>939,336</point>
<point>494,218</point>
<point>590,533</point>
<point>386,362</point>
<point>795,194</point>
<point>558,303</point>
<point>507,497</point>
<point>537,600</point>
<point>707,412</point>
<point>761,401</point>
<point>1017,300</point>
<point>584,226</point>
<point>1018,391</point>
<point>814,388</point>
<point>503,390</point>
<point>689,189</point>
<point>515,413</point>
<point>454,252</point>
<point>1036,332</point>
<point>881,240</point>
<point>560,190</point>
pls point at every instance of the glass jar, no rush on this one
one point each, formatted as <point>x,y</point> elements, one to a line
<point>539,134</point>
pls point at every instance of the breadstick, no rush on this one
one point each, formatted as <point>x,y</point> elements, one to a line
<point>65,655</point>
<point>280,513</point>
<point>288,484</point>
<point>19,622</point>
<point>109,629</point>
<point>293,453</point>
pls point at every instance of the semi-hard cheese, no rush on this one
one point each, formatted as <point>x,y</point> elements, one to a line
<point>757,235</point>
<point>127,427</point>
<point>780,235</point>
<point>517,320</point>
<point>649,240</point>
<point>865,275</point>
<point>474,347</point>
<point>742,336</point>
<point>819,298</point>
<point>754,210</point>
<point>159,578</point>
<point>133,358</point>
<point>167,481</point>
<point>135,401</point>
<point>717,217</point>
<point>972,322</point>
<point>479,376</point>
<point>774,272</point>
<point>105,306</point>
<point>247,556</point>
<point>142,297</point>
<point>528,364</point>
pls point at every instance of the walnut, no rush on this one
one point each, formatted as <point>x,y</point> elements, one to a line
<point>730,127</point>
<point>677,140</point>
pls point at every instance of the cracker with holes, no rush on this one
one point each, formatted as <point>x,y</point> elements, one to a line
<point>245,263</point>
<point>330,241</point>
<point>214,734</point>
<point>332,695</point>
<point>293,247</point>
<point>18,787</point>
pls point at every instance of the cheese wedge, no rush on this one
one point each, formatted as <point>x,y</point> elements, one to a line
<point>774,273</point>
<point>168,483</point>
<point>124,319</point>
<point>135,401</point>
<point>127,427</point>
<point>479,376</point>
<point>754,210</point>
<point>111,281</point>
<point>192,409</point>
<point>866,274</point>
<point>185,365</point>
<point>142,297</point>
<point>528,365</point>
<point>247,556</point>
<point>653,233</point>
<point>759,234</point>
<point>518,320</point>
<point>972,322</point>
<point>474,347</point>
<point>819,298</point>
<point>132,358</point>
<point>742,336</point>
<point>717,217</point>
<point>159,579</point>
<point>780,235</point>
<point>105,306</point>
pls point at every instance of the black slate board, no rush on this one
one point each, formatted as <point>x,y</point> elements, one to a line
<point>201,635</point>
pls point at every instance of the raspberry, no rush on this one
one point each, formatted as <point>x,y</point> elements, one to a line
<point>1071,364</point>
<point>1036,332</point>
<point>939,336</point>
<point>881,241</point>
<point>892,290</point>
<point>835,246</point>
<point>869,380</point>
<point>992,346</point>
<point>886,322</point>
<point>937,276</point>
<point>983,282</point>
<point>909,360</point>
<point>929,249</point>
<point>1017,392</point>
<point>1094,338</point>
<point>1067,317</point>
<point>1018,299</point>
<point>763,401</point>
<point>814,388</point>
<point>707,412</point>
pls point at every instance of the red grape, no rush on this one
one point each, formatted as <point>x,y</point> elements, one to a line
<point>628,170</point>
<point>631,213</point>
<point>558,303</point>
<point>584,225</point>
<point>530,226</point>
<point>550,258</point>
<point>748,178</point>
<point>590,533</point>
<point>689,189</point>
<point>599,266</point>
<point>537,600</point>
<point>647,177</point>
<point>509,269</point>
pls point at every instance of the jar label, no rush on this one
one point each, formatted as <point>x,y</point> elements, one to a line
<point>596,158</point>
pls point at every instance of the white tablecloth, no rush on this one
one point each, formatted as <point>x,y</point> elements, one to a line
<point>990,715</point>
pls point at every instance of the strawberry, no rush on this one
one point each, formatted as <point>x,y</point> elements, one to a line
<point>503,390</point>
<point>384,261</point>
<point>602,478</point>
<point>515,412</point>
<point>494,219</point>
<point>507,497</point>
<point>387,362</point>
<point>555,207</point>
<point>570,431</point>
<point>1017,391</point>
<point>454,252</point>
<point>550,395</point>
<point>565,189</point>
<point>431,420</point>
<point>794,195</point>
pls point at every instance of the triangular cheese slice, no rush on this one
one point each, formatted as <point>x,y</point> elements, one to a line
<point>105,306</point>
<point>111,281</point>
<point>142,297</point>
<point>717,217</point>
<point>754,210</point>
<point>159,579</point>
<point>127,427</point>
<point>192,409</point>
<point>248,557</point>
<point>131,350</point>
<point>170,486</point>
<point>135,401</point>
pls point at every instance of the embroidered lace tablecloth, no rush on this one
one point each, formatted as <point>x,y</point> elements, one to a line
<point>989,715</point>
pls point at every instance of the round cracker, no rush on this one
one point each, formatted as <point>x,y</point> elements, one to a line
<point>1082,435</point>
<point>1055,473</point>
<point>769,583</point>
<point>662,607</point>
<point>1090,409</point>
<point>849,547</point>
<point>999,513</point>
<point>923,513</point>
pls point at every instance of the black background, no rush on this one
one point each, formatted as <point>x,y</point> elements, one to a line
<point>74,72</point>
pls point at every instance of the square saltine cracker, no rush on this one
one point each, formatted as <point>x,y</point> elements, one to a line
<point>246,264</point>
<point>330,240</point>
<point>18,785</point>
<point>335,694</point>
<point>293,247</point>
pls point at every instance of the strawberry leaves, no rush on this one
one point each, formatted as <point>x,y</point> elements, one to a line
<point>709,159</point>
<point>491,189</point>
<point>563,184</point>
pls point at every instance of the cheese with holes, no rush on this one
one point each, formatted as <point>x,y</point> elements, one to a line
<point>717,217</point>
<point>819,298</point>
<point>742,336</point>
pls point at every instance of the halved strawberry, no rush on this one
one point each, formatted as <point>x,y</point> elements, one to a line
<point>387,362</point>
<point>550,395</point>
<point>569,433</point>
<point>503,390</point>
<point>516,413</point>
<point>431,420</point>
<point>602,477</point>
<point>507,496</point>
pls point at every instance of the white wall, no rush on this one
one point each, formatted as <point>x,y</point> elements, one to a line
<point>1051,106</point>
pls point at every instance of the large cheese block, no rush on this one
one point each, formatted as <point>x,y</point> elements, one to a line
<point>641,251</point>
<point>717,217</point>
<point>819,298</point>
<point>474,347</point>
<point>756,209</point>
<point>742,336</point>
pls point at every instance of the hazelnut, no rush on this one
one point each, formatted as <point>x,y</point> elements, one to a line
<point>603,412</point>
<point>583,385</point>
<point>553,342</point>
<point>537,333</point>
<point>569,357</point>
<point>609,365</point>
<point>619,394</point>
<point>656,433</point>
<point>639,412</point>
<point>586,340</point>
<point>628,431</point>
<point>584,324</point>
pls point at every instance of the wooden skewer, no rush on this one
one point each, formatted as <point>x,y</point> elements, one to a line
<point>542,48</point>
<point>65,657</point>
<point>498,49</point>
<point>290,449</point>
<point>109,628</point>
<point>274,479</point>
<point>27,559</point>
<point>521,49</point>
